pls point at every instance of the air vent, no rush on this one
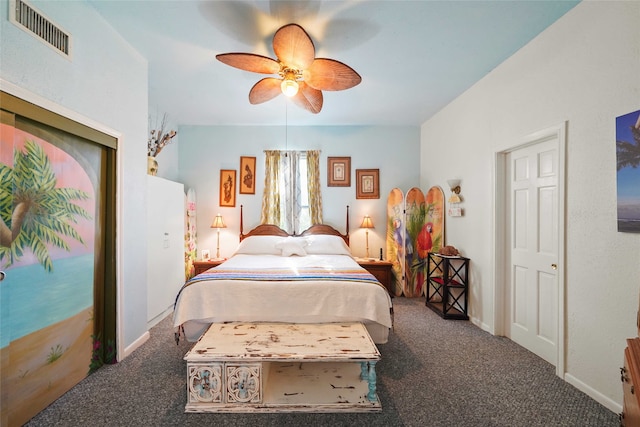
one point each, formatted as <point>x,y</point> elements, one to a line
<point>33,21</point>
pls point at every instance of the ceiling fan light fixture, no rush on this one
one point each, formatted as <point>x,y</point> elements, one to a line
<point>289,85</point>
<point>300,75</point>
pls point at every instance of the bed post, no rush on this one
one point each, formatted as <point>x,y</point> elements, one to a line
<point>347,232</point>
<point>241,215</point>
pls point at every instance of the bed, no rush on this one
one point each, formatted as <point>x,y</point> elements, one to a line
<point>276,277</point>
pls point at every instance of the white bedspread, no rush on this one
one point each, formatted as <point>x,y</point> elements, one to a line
<point>215,301</point>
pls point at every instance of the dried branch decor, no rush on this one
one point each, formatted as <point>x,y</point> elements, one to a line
<point>158,138</point>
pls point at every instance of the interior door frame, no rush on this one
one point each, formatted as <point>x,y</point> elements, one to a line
<point>501,246</point>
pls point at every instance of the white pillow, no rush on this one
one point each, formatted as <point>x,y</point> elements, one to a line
<point>327,244</point>
<point>259,245</point>
<point>292,246</point>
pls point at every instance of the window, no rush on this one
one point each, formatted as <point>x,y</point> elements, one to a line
<point>292,197</point>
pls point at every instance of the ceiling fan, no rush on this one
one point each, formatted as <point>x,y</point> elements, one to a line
<point>301,75</point>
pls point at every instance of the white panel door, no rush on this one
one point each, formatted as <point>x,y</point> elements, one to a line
<point>532,203</point>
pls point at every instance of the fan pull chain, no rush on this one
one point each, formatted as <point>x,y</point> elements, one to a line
<point>286,128</point>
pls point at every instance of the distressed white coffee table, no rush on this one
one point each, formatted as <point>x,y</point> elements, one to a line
<point>283,367</point>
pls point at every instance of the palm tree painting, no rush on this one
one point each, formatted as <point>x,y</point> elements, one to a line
<point>35,213</point>
<point>628,176</point>
<point>47,247</point>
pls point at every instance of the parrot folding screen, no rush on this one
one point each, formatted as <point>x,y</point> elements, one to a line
<point>415,227</point>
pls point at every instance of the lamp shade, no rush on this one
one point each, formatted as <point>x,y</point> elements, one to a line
<point>218,222</point>
<point>366,222</point>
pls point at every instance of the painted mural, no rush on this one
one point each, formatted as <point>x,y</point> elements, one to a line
<point>190,238</point>
<point>434,221</point>
<point>395,238</point>
<point>47,244</point>
<point>415,227</point>
<point>414,222</point>
<point>628,176</point>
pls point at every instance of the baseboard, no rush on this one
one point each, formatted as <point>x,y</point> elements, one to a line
<point>160,317</point>
<point>481,325</point>
<point>134,345</point>
<point>594,394</point>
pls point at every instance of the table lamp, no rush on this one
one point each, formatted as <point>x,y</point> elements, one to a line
<point>218,223</point>
<point>367,224</point>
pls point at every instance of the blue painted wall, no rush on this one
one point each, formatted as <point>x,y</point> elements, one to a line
<point>204,150</point>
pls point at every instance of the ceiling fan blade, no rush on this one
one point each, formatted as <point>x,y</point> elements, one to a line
<point>329,74</point>
<point>250,62</point>
<point>265,90</point>
<point>293,47</point>
<point>308,98</point>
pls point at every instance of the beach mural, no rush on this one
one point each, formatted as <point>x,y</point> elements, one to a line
<point>47,245</point>
<point>628,177</point>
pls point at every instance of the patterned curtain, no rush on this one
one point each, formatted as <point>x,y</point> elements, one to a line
<point>271,195</point>
<point>313,182</point>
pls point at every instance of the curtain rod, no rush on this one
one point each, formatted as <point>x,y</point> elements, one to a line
<point>265,151</point>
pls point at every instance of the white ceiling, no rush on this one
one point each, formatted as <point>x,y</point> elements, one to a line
<point>414,56</point>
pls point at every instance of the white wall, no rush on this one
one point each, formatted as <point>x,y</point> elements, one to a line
<point>104,85</point>
<point>204,150</point>
<point>585,70</point>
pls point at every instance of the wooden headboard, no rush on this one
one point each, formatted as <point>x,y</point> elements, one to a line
<point>274,230</point>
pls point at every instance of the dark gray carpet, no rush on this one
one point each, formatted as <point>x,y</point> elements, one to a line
<point>433,372</point>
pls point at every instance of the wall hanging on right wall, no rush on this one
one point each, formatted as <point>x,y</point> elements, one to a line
<point>628,166</point>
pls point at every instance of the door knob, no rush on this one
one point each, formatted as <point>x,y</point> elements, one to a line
<point>2,274</point>
<point>554,266</point>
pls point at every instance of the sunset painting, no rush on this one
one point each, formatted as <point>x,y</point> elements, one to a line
<point>628,166</point>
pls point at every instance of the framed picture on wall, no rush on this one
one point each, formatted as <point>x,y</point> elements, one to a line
<point>227,188</point>
<point>628,173</point>
<point>338,171</point>
<point>367,183</point>
<point>247,175</point>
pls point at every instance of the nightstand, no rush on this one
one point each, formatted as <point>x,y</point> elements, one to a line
<point>202,266</point>
<point>381,270</point>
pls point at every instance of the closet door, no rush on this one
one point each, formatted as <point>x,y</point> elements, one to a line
<point>53,248</point>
